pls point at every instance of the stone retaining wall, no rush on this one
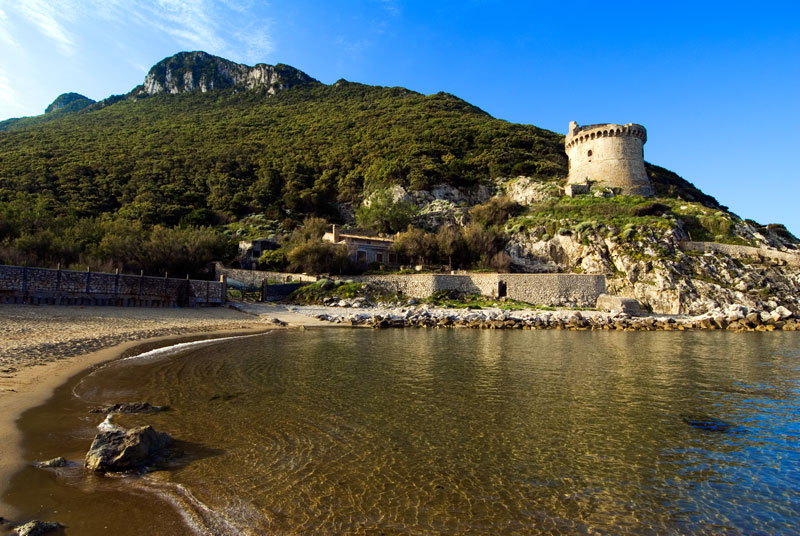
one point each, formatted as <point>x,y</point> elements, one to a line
<point>254,278</point>
<point>20,284</point>
<point>791,259</point>
<point>539,289</point>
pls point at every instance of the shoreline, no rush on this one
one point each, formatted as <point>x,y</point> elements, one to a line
<point>44,347</point>
<point>35,385</point>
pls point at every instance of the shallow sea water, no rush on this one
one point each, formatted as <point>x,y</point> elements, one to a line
<point>339,431</point>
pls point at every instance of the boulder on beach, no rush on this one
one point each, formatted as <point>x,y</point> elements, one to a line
<point>35,528</point>
<point>130,407</point>
<point>618,304</point>
<point>126,450</point>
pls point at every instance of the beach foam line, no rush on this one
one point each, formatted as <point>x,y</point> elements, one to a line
<point>164,351</point>
<point>175,348</point>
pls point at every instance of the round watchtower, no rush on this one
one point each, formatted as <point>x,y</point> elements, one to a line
<point>608,155</point>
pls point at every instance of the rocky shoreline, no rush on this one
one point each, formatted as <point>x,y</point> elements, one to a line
<point>732,318</point>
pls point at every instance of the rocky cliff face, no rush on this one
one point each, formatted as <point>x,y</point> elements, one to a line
<point>654,269</point>
<point>648,262</point>
<point>199,71</point>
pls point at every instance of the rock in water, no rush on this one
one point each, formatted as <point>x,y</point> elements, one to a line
<point>132,407</point>
<point>55,462</point>
<point>707,424</point>
<point>35,528</point>
<point>126,450</point>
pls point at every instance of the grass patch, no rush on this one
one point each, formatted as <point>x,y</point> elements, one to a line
<point>458,300</point>
<point>324,289</point>
<point>627,216</point>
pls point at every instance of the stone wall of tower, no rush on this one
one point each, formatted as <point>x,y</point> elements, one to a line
<point>608,155</point>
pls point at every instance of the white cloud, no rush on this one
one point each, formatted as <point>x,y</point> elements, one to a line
<point>392,7</point>
<point>7,94</point>
<point>47,17</point>
<point>225,27</point>
<point>5,34</point>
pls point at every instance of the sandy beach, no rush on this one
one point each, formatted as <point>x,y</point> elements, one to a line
<point>41,347</point>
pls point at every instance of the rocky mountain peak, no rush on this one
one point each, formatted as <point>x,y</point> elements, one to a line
<point>200,71</point>
<point>70,102</point>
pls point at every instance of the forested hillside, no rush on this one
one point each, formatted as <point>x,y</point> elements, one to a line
<point>92,181</point>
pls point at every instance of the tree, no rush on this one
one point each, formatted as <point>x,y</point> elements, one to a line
<point>316,257</point>
<point>383,214</point>
<point>416,245</point>
<point>450,243</point>
<point>495,212</point>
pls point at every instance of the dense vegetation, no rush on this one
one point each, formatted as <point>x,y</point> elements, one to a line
<point>88,175</point>
<point>201,158</point>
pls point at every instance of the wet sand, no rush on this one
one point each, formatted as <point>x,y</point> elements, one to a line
<point>41,347</point>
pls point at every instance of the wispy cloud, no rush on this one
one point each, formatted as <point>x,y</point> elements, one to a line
<point>5,34</point>
<point>45,15</point>
<point>7,94</point>
<point>226,27</point>
<point>391,6</point>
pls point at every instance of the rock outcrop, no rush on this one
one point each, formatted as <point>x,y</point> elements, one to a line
<point>69,102</point>
<point>36,528</point>
<point>126,450</point>
<point>199,71</point>
<point>648,264</point>
<point>617,304</point>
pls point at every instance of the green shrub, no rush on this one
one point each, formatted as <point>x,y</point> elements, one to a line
<point>384,215</point>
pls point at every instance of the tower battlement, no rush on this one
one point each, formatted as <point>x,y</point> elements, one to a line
<point>609,155</point>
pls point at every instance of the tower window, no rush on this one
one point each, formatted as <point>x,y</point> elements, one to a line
<point>590,153</point>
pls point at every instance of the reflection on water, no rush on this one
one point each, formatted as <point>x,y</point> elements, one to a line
<point>461,431</point>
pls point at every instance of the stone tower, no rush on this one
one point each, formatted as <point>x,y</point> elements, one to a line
<point>608,155</point>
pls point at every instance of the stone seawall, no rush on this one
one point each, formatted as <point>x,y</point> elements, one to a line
<point>21,284</point>
<point>254,278</point>
<point>746,252</point>
<point>539,289</point>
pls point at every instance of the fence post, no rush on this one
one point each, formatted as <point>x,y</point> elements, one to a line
<point>223,288</point>
<point>166,283</point>
<point>141,281</point>
<point>58,278</point>
<point>25,278</point>
<point>116,282</point>
<point>88,280</point>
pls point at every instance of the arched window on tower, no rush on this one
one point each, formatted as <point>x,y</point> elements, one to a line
<point>589,154</point>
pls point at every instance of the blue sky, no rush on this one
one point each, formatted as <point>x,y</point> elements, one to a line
<point>715,83</point>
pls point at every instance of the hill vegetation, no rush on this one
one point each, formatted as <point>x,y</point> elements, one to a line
<point>94,182</point>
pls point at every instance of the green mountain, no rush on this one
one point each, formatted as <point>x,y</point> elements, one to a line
<point>189,139</point>
<point>69,102</point>
<point>205,142</point>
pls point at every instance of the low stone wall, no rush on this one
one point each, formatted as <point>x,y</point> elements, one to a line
<point>539,289</point>
<point>748,252</point>
<point>21,284</point>
<point>279,291</point>
<point>254,278</point>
